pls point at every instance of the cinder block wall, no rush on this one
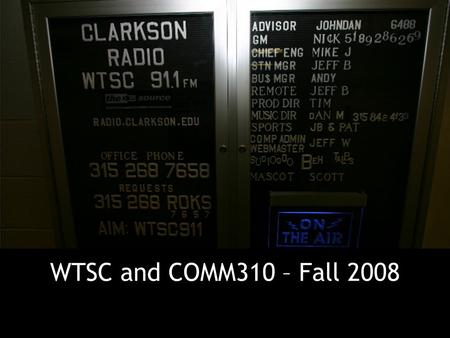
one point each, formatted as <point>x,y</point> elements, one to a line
<point>437,231</point>
<point>26,214</point>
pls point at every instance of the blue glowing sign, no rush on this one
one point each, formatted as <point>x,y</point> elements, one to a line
<point>314,229</point>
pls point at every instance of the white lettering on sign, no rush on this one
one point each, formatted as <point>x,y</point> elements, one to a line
<point>135,31</point>
<point>271,26</point>
<point>135,57</point>
<point>336,25</point>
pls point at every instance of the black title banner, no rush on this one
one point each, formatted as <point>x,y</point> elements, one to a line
<point>225,269</point>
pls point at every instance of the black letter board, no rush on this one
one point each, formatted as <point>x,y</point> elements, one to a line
<point>334,99</point>
<point>137,113</point>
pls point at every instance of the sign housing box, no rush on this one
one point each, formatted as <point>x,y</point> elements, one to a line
<point>231,20</point>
